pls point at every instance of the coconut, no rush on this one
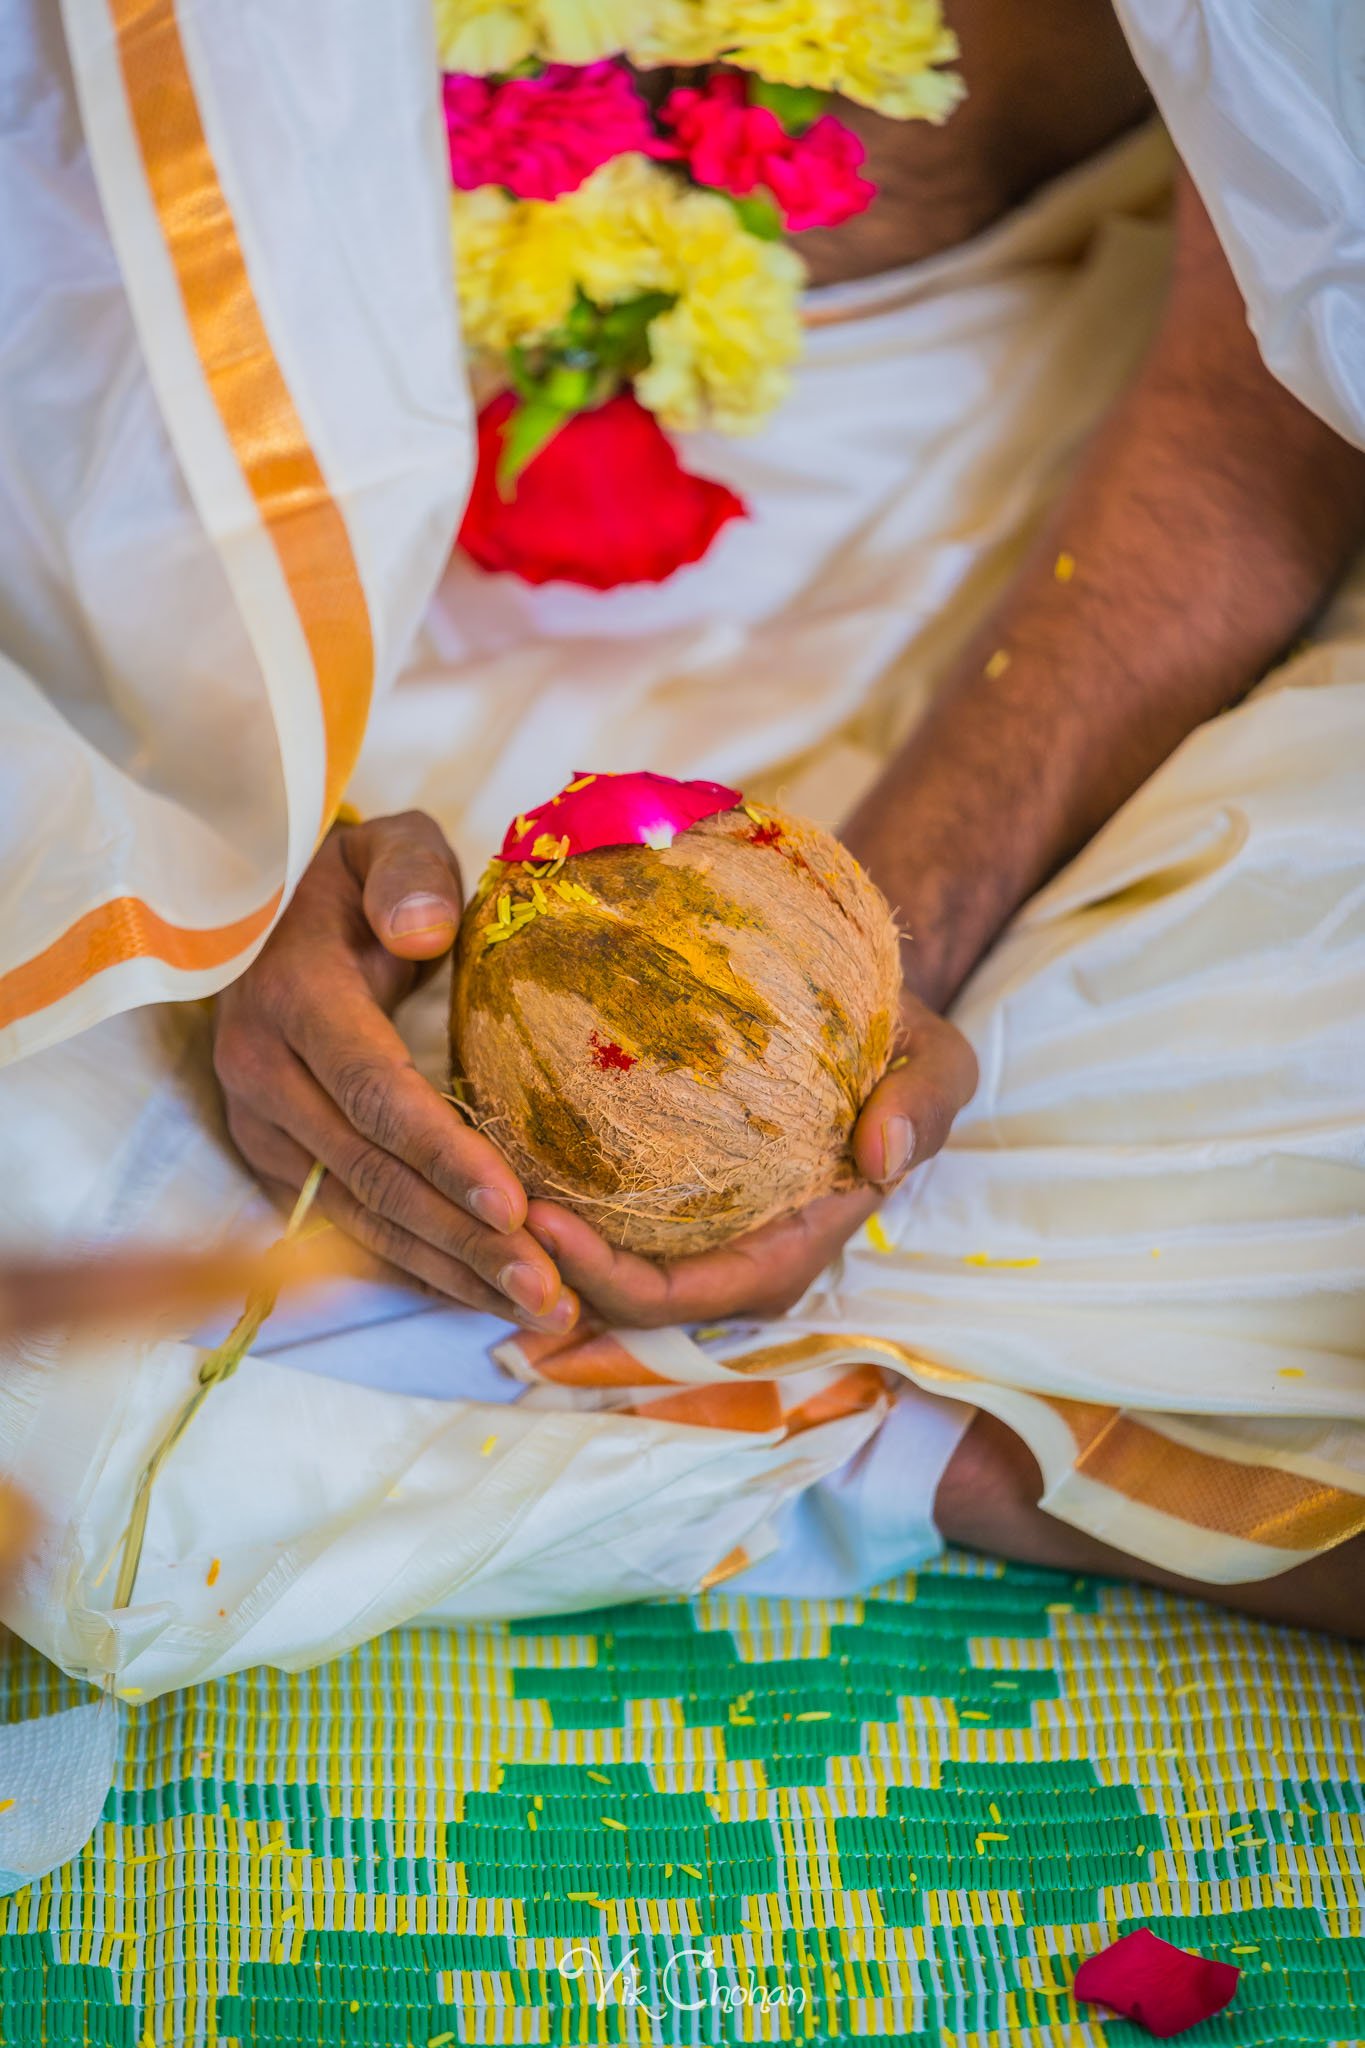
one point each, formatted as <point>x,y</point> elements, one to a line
<point>674,1040</point>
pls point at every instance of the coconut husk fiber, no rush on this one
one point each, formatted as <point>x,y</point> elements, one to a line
<point>676,1044</point>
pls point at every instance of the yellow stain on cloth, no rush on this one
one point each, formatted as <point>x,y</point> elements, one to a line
<point>876,1235</point>
<point>1064,568</point>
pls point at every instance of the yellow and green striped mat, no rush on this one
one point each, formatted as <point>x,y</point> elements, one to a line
<point>899,1820</point>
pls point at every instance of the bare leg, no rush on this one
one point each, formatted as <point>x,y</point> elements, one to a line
<point>988,1500</point>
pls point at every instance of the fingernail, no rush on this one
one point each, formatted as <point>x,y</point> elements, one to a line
<point>898,1146</point>
<point>564,1314</point>
<point>421,913</point>
<point>527,1286</point>
<point>544,1238</point>
<point>491,1208</point>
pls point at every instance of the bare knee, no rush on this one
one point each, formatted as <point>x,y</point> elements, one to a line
<point>988,1500</point>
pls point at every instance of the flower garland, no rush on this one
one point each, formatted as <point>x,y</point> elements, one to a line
<point>621,251</point>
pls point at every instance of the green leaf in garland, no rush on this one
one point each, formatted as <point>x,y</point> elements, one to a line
<point>595,352</point>
<point>580,329</point>
<point>622,340</point>
<point>570,386</point>
<point>759,215</point>
<point>797,107</point>
<point>523,378</point>
<point>535,422</point>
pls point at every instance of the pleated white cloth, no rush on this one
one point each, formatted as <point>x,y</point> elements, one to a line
<point>1150,1215</point>
<point>1265,100</point>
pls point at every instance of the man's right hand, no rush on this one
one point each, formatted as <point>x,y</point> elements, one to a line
<point>312,1068</point>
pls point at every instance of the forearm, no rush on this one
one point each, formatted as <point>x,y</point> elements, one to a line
<point>1206,522</point>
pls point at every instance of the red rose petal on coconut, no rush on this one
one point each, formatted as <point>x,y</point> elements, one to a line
<point>615,810</point>
<point>1165,1989</point>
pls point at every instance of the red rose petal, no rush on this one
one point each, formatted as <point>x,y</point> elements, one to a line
<point>616,810</point>
<point>1165,1989</point>
<point>606,502</point>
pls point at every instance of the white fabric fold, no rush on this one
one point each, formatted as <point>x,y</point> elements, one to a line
<point>55,1771</point>
<point>1166,1041</point>
<point>180,680</point>
<point>1265,100</point>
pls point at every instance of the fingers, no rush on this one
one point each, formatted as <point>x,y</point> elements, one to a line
<point>398,1215</point>
<point>910,1112</point>
<point>316,1004</point>
<point>363,1067</point>
<point>905,1121</point>
<point>764,1273</point>
<point>127,1286</point>
<point>410,881</point>
<point>434,1270</point>
<point>312,1068</point>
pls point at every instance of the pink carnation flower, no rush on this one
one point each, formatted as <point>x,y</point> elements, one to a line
<point>540,137</point>
<point>738,148</point>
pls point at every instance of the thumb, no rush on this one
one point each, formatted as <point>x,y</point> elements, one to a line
<point>411,884</point>
<point>910,1112</point>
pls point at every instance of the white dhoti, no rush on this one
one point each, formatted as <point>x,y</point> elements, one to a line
<point>1143,1246</point>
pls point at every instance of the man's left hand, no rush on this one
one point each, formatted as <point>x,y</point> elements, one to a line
<point>905,1121</point>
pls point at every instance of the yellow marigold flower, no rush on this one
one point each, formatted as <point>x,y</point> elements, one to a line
<point>514,264</point>
<point>883,53</point>
<point>677,32</point>
<point>495,35</point>
<point>719,356</point>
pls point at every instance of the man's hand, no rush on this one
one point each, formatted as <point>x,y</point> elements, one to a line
<point>905,1121</point>
<point>312,1068</point>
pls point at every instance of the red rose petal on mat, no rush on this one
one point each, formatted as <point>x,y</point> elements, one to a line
<point>616,810</point>
<point>1165,1989</point>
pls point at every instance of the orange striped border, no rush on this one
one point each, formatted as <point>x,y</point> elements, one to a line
<point>1262,1504</point>
<point>247,384</point>
<point>126,929</point>
<point>1258,1503</point>
<point>297,510</point>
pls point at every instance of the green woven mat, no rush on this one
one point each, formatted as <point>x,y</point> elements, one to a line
<point>893,1819</point>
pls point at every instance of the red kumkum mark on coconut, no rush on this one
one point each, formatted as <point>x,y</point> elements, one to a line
<point>766,835</point>
<point>609,1057</point>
